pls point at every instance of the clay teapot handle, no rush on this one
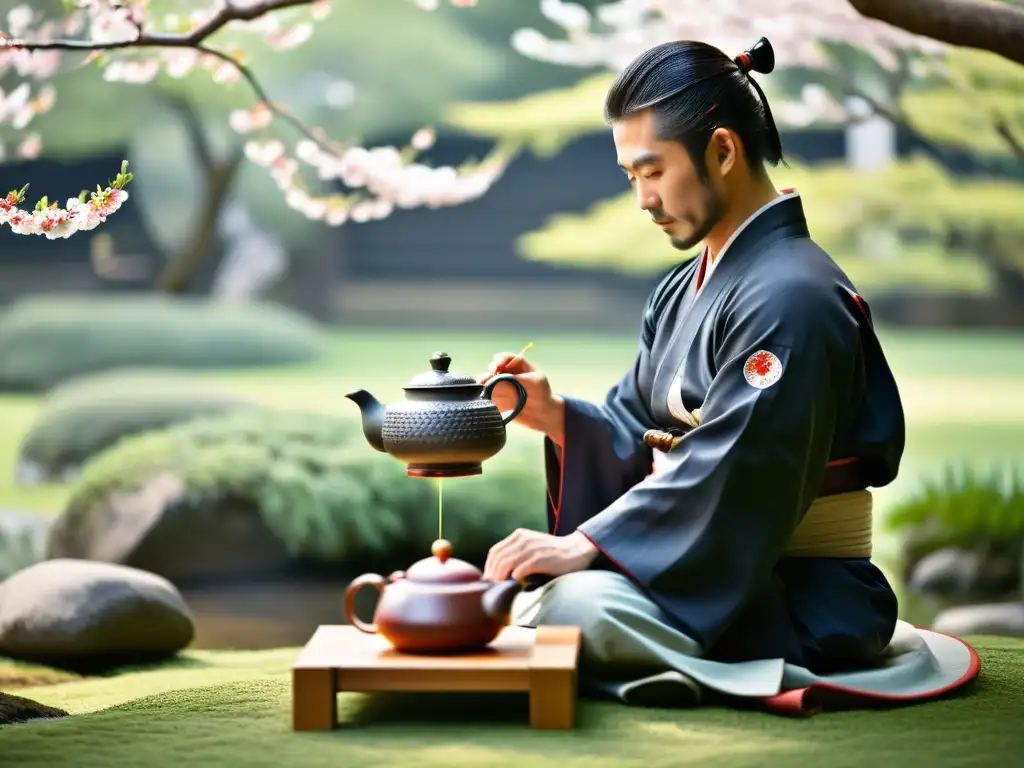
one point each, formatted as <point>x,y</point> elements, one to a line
<point>366,580</point>
<point>511,379</point>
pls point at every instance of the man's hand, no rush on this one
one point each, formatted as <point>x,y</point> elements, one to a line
<point>527,552</point>
<point>544,411</point>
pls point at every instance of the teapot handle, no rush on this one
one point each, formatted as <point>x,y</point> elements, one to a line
<point>511,379</point>
<point>366,580</point>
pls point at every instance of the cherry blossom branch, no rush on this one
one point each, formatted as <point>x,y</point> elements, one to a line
<point>380,179</point>
<point>264,99</point>
<point>78,215</point>
<point>612,33</point>
<point>195,40</point>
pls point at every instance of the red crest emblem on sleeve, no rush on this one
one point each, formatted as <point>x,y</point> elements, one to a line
<point>762,369</point>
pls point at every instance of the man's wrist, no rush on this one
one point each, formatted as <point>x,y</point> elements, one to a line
<point>584,548</point>
<point>553,420</point>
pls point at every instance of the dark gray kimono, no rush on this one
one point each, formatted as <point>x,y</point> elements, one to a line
<point>704,538</point>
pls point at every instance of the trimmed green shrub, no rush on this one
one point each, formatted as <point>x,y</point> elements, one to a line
<point>91,413</point>
<point>964,506</point>
<point>963,510</point>
<point>47,340</point>
<point>319,487</point>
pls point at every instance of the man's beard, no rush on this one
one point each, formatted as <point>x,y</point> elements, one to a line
<point>716,208</point>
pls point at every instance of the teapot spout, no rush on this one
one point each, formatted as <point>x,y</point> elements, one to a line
<point>497,600</point>
<point>373,417</point>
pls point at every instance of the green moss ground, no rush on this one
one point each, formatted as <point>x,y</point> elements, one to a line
<point>233,709</point>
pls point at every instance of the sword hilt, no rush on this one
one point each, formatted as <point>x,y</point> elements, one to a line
<point>661,440</point>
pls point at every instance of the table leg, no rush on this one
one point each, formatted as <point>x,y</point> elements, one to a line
<point>314,700</point>
<point>553,699</point>
<point>553,677</point>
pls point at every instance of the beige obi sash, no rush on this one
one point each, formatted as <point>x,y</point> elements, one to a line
<point>835,526</point>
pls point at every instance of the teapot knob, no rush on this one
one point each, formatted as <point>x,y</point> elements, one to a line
<point>441,549</point>
<point>439,361</point>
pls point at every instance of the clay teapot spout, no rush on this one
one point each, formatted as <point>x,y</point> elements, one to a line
<point>497,600</point>
<point>373,417</point>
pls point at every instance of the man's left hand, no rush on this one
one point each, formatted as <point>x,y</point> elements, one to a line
<point>527,552</point>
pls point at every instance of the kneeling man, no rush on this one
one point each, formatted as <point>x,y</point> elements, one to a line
<point>715,506</point>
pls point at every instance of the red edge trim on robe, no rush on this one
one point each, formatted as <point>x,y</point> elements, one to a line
<point>557,508</point>
<point>613,561</point>
<point>809,701</point>
<point>805,702</point>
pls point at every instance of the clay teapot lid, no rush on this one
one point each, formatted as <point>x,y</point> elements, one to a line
<point>442,568</point>
<point>440,377</point>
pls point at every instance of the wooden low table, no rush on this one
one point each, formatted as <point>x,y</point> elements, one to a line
<point>337,658</point>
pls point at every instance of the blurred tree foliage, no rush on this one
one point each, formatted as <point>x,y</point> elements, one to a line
<point>952,229</point>
<point>542,122</point>
<point>979,108</point>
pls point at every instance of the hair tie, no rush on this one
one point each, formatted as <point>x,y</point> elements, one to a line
<point>760,57</point>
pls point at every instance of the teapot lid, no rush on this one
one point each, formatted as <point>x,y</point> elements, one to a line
<point>442,568</point>
<point>440,376</point>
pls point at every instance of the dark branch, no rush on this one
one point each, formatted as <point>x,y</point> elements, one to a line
<point>261,95</point>
<point>989,26</point>
<point>193,127</point>
<point>192,39</point>
<point>1008,137</point>
<point>894,115</point>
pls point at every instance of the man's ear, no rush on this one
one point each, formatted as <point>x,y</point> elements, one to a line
<point>724,146</point>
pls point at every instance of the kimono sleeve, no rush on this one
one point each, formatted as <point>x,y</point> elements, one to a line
<point>703,535</point>
<point>603,453</point>
<point>602,456</point>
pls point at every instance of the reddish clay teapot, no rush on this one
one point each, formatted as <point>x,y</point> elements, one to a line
<point>438,605</point>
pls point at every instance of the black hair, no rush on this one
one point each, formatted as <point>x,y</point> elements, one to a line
<point>694,88</point>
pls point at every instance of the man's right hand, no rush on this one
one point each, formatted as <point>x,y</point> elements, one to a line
<point>544,411</point>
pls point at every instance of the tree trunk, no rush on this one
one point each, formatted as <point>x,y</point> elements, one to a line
<point>182,268</point>
<point>1001,258</point>
<point>980,24</point>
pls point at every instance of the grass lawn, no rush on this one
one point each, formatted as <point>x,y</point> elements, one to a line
<point>233,709</point>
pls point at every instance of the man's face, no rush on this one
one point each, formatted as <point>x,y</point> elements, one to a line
<point>667,184</point>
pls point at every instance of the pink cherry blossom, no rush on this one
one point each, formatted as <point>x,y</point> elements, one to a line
<point>78,214</point>
<point>249,120</point>
<point>30,147</point>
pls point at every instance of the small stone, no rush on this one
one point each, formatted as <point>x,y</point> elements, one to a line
<point>17,709</point>
<point>963,574</point>
<point>1005,619</point>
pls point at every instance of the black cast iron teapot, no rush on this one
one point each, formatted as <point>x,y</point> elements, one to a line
<point>447,426</point>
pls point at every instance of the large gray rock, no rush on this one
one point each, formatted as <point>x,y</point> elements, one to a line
<point>158,529</point>
<point>1006,619</point>
<point>76,613</point>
